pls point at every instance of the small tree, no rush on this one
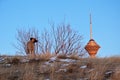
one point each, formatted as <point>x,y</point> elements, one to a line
<point>45,42</point>
<point>66,40</point>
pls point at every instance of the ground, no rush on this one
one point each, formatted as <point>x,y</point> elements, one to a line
<point>59,68</point>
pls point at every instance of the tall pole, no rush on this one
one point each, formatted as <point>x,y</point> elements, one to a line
<point>92,47</point>
<point>90,27</point>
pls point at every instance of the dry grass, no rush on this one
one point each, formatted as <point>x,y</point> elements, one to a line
<point>44,57</point>
<point>95,69</point>
<point>73,56</point>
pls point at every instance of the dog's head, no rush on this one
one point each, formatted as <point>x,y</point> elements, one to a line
<point>33,39</point>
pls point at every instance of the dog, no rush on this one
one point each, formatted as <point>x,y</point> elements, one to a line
<point>31,46</point>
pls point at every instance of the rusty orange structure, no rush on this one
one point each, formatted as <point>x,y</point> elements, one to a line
<point>92,47</point>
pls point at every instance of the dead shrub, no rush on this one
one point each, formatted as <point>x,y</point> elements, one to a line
<point>62,56</point>
<point>15,60</point>
<point>75,57</point>
<point>44,57</point>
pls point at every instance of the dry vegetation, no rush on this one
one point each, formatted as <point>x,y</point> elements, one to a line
<point>67,62</point>
<point>49,67</point>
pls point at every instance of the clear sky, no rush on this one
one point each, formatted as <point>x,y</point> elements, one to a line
<point>18,14</point>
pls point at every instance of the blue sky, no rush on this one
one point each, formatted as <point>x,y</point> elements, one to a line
<point>18,14</point>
